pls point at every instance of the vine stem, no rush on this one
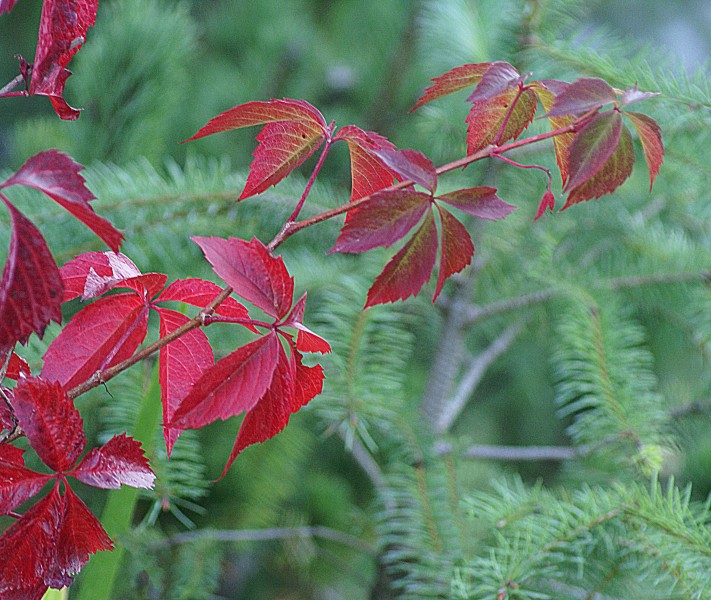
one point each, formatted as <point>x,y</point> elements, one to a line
<point>6,90</point>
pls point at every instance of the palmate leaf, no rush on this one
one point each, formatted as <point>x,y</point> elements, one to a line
<point>293,130</point>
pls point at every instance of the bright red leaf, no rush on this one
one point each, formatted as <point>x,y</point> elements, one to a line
<point>582,96</point>
<point>182,363</point>
<point>651,137</point>
<point>481,202</point>
<point>100,335</point>
<point>57,175</point>
<point>6,5</point>
<point>234,384</point>
<point>17,483</point>
<point>120,461</point>
<point>453,81</point>
<point>62,31</point>
<point>52,425</point>
<point>308,381</point>
<point>382,220</point>
<point>457,248</point>
<point>251,271</point>
<point>409,269</point>
<point>293,130</point>
<point>307,340</point>
<point>612,174</point>
<point>368,172</point>
<point>31,287</point>
<point>17,367</point>
<point>199,292</point>
<point>547,203</point>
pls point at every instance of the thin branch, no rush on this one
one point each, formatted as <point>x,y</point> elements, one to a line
<point>269,534</point>
<point>11,85</point>
<point>477,368</point>
<point>516,453</point>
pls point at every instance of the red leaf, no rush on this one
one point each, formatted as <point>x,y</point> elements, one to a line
<point>17,484</point>
<point>307,340</point>
<point>234,384</point>
<point>17,367</point>
<point>612,174</point>
<point>547,203</point>
<point>457,249</point>
<point>582,96</point>
<point>651,137</point>
<point>409,269</point>
<point>62,32</point>
<point>182,362</point>
<point>271,412</point>
<point>31,287</point>
<point>52,425</point>
<point>80,535</point>
<point>251,271</point>
<point>500,76</point>
<point>198,292</point>
<point>487,116</point>
<point>91,274</point>
<point>382,220</point>
<point>28,549</point>
<point>546,92</point>
<point>308,381</point>
<point>99,336</point>
<point>592,147</point>
<point>57,175</point>
<point>6,5</point>
<point>453,81</point>
<point>481,202</point>
<point>368,172</point>
<point>412,165</point>
<point>120,461</point>
<point>292,132</point>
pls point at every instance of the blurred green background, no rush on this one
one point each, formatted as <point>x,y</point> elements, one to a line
<point>153,71</point>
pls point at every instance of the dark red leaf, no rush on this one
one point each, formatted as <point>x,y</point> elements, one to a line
<point>251,271</point>
<point>271,412</point>
<point>412,165</point>
<point>487,117</point>
<point>457,249</point>
<point>500,76</point>
<point>481,202</point>
<point>120,461</point>
<point>547,203</point>
<point>409,269</point>
<point>52,425</point>
<point>546,91</point>
<point>17,484</point>
<point>306,340</point>
<point>17,367</point>
<point>582,96</point>
<point>31,287</point>
<point>57,175</point>
<point>612,174</point>
<point>368,172</point>
<point>28,549</point>
<point>651,137</point>
<point>182,363</point>
<point>80,536</point>
<point>7,418</point>
<point>6,5</point>
<point>234,384</point>
<point>99,336</point>
<point>382,220</point>
<point>199,292</point>
<point>592,147</point>
<point>62,31</point>
<point>453,81</point>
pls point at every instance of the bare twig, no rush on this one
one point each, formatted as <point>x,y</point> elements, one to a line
<point>272,533</point>
<point>477,368</point>
<point>11,85</point>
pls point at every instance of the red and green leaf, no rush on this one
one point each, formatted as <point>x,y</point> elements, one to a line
<point>382,220</point>
<point>57,175</point>
<point>251,271</point>
<point>481,202</point>
<point>407,271</point>
<point>52,425</point>
<point>546,92</point>
<point>31,286</point>
<point>581,96</point>
<point>499,77</point>
<point>412,165</point>
<point>612,174</point>
<point>102,334</point>
<point>368,172</point>
<point>456,250</point>
<point>651,137</point>
<point>453,81</point>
